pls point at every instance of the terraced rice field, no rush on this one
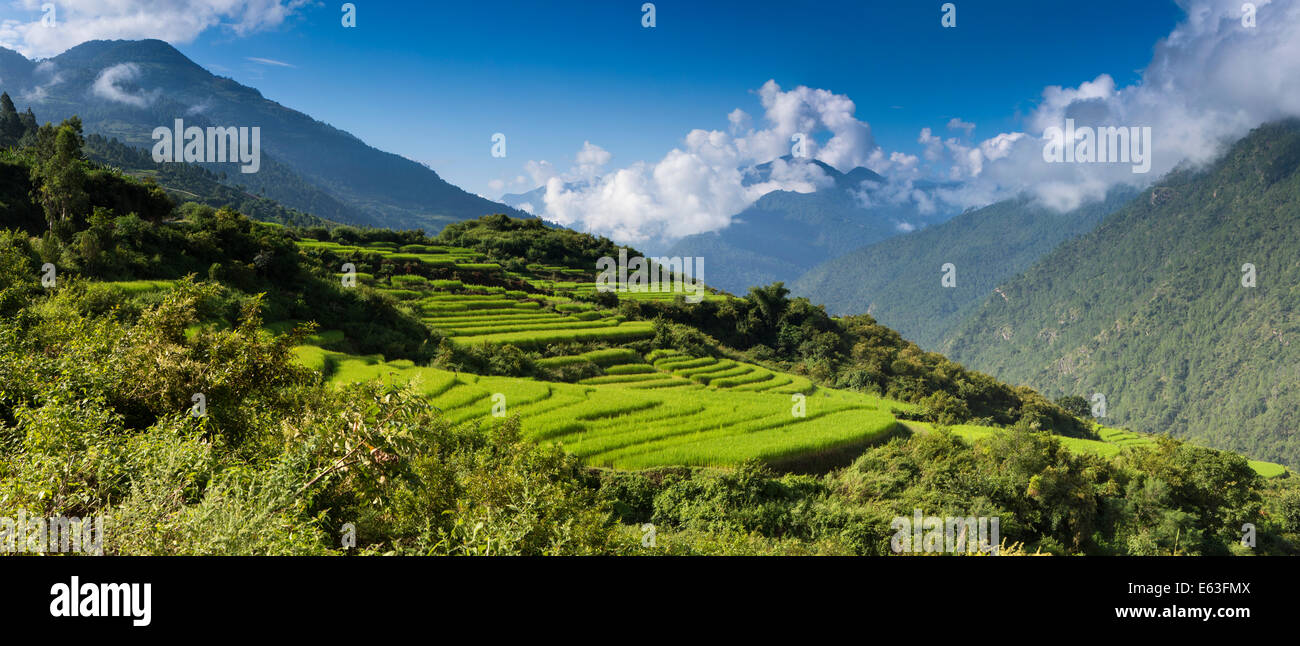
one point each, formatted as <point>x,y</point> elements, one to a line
<point>666,408</point>
<point>477,314</point>
<point>499,319</point>
<point>426,254</point>
<point>672,369</point>
<point>589,287</point>
<point>629,425</point>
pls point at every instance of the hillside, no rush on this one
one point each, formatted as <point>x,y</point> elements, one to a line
<point>1150,310</point>
<point>897,280</point>
<point>309,165</point>
<point>221,386</point>
<point>194,183</point>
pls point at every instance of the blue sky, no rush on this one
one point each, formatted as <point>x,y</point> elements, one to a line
<point>434,80</point>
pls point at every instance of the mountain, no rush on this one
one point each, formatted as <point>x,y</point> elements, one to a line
<point>530,202</point>
<point>307,164</point>
<point>784,234</point>
<point>534,201</point>
<point>897,280</point>
<point>1151,310</point>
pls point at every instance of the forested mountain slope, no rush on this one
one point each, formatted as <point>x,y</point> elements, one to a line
<point>897,280</point>
<point>1150,308</point>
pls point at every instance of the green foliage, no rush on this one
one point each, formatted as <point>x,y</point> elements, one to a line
<point>96,419</point>
<point>1155,501</point>
<point>1075,405</point>
<point>505,239</point>
<point>60,172</point>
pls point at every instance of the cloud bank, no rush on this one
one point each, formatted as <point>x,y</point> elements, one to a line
<point>1211,80</point>
<point>699,185</point>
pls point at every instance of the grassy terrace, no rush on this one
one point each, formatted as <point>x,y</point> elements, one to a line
<point>630,424</point>
<point>664,408</point>
<point>475,314</point>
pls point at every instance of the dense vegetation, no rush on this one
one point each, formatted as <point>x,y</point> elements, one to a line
<point>853,353</point>
<point>154,304</point>
<point>1150,309</point>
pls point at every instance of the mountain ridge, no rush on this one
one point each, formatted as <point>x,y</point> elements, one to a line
<point>377,187</point>
<point>1150,308</point>
<point>897,280</point>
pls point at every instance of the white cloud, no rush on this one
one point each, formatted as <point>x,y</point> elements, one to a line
<point>956,124</point>
<point>47,76</point>
<point>107,85</point>
<point>739,120</point>
<point>175,21</point>
<point>895,164</point>
<point>590,160</point>
<point>1209,82</point>
<point>272,62</point>
<point>540,171</point>
<point>700,185</point>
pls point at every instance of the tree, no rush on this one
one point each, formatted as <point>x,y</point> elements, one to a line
<point>11,125</point>
<point>60,172</point>
<point>1075,405</point>
<point>768,305</point>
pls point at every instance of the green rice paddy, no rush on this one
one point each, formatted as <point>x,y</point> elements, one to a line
<point>665,408</point>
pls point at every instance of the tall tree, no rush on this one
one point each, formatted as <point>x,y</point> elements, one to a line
<point>11,125</point>
<point>60,172</point>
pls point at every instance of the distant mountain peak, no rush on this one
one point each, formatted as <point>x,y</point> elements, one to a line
<point>853,179</point>
<point>110,52</point>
